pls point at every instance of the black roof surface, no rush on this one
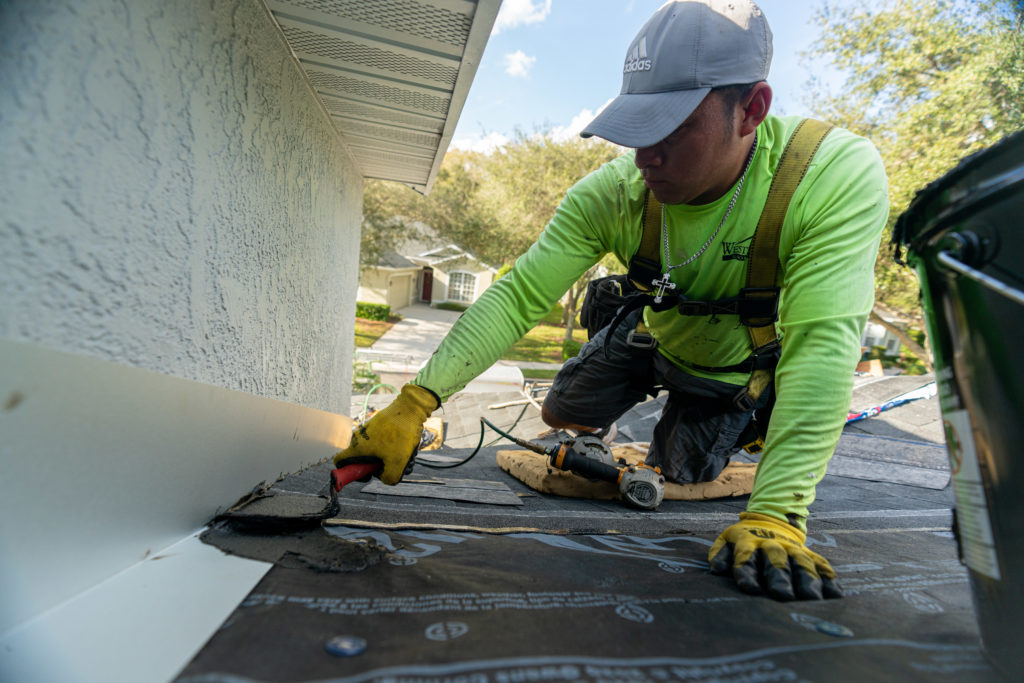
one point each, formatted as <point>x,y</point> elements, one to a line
<point>547,587</point>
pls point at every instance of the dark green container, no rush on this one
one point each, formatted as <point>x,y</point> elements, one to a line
<point>964,235</point>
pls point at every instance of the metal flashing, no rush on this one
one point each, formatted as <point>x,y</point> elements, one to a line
<point>135,460</point>
<point>142,624</point>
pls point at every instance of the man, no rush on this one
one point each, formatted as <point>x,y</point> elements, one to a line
<point>694,106</point>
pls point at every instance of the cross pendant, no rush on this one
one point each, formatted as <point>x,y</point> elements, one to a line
<point>662,284</point>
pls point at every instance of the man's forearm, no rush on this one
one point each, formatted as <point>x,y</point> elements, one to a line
<point>813,385</point>
<point>479,338</point>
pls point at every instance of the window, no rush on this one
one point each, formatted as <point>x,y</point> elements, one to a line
<point>892,346</point>
<point>461,287</point>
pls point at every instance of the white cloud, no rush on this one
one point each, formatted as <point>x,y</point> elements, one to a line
<point>563,133</point>
<point>516,12</point>
<point>518,63</point>
<point>485,144</point>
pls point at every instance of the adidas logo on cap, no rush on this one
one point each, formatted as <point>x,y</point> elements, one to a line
<point>637,59</point>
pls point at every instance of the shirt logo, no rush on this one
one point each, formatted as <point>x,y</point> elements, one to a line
<point>736,251</point>
<point>637,59</point>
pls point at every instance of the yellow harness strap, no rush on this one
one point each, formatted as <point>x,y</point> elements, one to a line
<point>763,256</point>
<point>645,265</point>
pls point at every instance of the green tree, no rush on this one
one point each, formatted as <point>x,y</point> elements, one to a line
<point>929,82</point>
<point>383,228</point>
<point>391,211</point>
<point>494,205</point>
<point>528,179</point>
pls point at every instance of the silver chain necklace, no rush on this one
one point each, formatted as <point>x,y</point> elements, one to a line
<point>663,283</point>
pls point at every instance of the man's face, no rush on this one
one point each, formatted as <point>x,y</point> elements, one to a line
<point>696,163</point>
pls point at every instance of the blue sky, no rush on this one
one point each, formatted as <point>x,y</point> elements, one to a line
<point>552,64</point>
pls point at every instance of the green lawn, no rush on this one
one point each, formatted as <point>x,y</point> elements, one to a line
<point>369,331</point>
<point>539,374</point>
<point>542,344</point>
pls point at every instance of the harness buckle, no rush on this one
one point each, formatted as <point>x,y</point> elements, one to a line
<point>743,400</point>
<point>687,307</point>
<point>767,357</point>
<point>754,447</point>
<point>759,306</point>
<point>644,341</point>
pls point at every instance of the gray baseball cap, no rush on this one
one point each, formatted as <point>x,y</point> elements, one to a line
<point>683,51</point>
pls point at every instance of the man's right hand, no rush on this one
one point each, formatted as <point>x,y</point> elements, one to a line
<point>765,554</point>
<point>391,436</point>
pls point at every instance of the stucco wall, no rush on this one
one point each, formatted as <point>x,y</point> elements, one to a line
<point>173,198</point>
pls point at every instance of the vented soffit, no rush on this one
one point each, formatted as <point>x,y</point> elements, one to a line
<point>392,74</point>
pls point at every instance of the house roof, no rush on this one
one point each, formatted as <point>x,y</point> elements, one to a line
<point>392,259</point>
<point>427,248</point>
<point>449,252</point>
<point>392,74</point>
<point>444,253</point>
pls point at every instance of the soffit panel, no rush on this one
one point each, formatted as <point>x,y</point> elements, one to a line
<point>392,74</point>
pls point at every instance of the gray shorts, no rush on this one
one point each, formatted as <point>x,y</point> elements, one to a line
<point>699,426</point>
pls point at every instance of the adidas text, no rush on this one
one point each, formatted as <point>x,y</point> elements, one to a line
<point>637,65</point>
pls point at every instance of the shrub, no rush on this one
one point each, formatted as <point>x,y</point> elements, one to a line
<point>368,311</point>
<point>907,362</point>
<point>363,377</point>
<point>451,306</point>
<point>570,349</point>
<point>875,352</point>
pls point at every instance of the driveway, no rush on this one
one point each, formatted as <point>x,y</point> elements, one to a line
<point>399,354</point>
<point>417,335</point>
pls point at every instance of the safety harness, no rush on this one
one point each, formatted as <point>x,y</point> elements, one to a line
<point>757,304</point>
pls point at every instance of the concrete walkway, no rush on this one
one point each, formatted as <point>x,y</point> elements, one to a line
<point>417,335</point>
<point>399,354</point>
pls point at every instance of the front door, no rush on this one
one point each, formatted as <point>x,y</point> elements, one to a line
<point>428,284</point>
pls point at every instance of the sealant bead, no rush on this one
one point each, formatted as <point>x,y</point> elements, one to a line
<point>346,646</point>
<point>831,629</point>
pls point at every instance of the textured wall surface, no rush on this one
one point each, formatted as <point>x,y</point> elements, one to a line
<point>173,198</point>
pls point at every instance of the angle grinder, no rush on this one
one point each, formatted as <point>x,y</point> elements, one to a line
<point>641,486</point>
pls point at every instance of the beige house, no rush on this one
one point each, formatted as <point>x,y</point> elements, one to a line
<point>395,282</point>
<point>426,271</point>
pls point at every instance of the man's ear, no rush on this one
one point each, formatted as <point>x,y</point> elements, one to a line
<point>755,107</point>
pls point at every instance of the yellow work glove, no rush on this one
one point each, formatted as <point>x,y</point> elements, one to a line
<point>392,436</point>
<point>766,554</point>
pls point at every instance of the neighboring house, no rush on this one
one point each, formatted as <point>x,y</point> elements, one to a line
<point>876,334</point>
<point>452,274</point>
<point>426,270</point>
<point>394,281</point>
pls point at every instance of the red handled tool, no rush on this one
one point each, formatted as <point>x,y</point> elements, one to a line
<point>350,473</point>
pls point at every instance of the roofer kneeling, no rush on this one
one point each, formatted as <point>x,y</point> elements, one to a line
<point>705,298</point>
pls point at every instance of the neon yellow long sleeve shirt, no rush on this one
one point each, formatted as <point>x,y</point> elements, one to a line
<point>827,253</point>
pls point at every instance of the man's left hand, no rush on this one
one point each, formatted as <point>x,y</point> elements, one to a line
<point>768,555</point>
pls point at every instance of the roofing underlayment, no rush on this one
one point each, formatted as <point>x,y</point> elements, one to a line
<point>466,574</point>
